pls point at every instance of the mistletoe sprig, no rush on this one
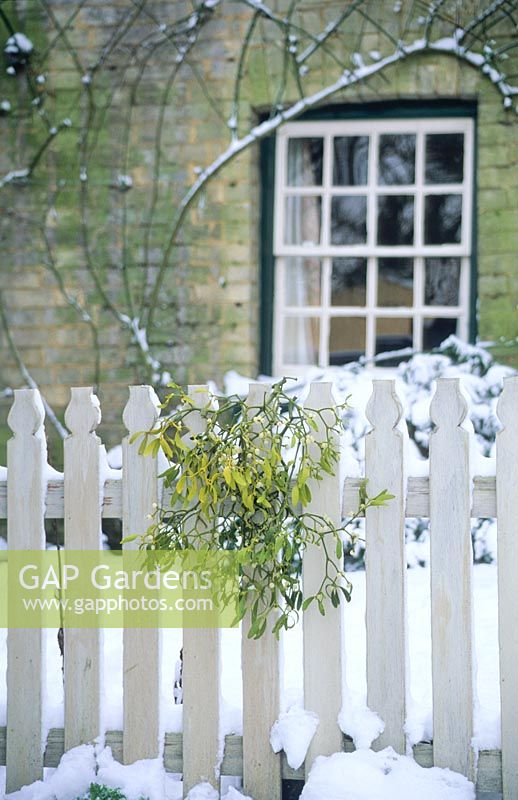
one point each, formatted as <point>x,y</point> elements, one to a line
<point>244,483</point>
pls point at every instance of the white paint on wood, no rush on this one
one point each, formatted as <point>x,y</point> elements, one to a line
<point>451,581</point>
<point>417,501</point>
<point>322,634</point>
<point>385,565</point>
<point>82,515</point>
<point>201,675</point>
<point>261,693</point>
<point>141,648</point>
<point>417,504</point>
<point>26,459</point>
<point>506,489</point>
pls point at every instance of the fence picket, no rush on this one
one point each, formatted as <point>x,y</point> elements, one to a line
<point>451,561</point>
<point>322,675</point>
<point>82,515</point>
<point>141,647</point>
<point>201,676</point>
<point>506,485</point>
<point>261,695</point>
<point>385,565</point>
<point>26,459</point>
<point>445,496</point>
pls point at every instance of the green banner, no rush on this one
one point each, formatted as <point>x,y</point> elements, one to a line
<point>117,589</point>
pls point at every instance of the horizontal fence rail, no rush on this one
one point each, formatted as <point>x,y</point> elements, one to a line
<point>449,496</point>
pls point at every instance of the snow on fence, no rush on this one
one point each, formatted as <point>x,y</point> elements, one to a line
<point>450,496</point>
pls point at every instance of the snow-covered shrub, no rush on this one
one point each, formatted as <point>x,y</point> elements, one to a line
<point>481,378</point>
<point>17,51</point>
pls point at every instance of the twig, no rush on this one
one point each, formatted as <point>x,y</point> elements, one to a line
<point>27,377</point>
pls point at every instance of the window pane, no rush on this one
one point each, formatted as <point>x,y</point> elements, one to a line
<point>442,218</point>
<point>395,282</point>
<point>395,219</point>
<point>349,282</point>
<point>302,281</point>
<point>346,339</point>
<point>444,158</point>
<point>396,162</point>
<point>301,340</point>
<point>303,220</point>
<point>442,280</point>
<point>350,160</point>
<point>305,162</point>
<point>393,333</point>
<point>436,331</point>
<point>349,220</point>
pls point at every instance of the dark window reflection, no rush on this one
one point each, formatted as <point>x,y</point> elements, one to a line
<point>349,220</point>
<point>346,339</point>
<point>350,162</point>
<point>395,282</point>
<point>444,158</point>
<point>442,281</point>
<point>393,333</point>
<point>305,157</point>
<point>396,163</point>
<point>349,282</point>
<point>395,219</point>
<point>436,331</point>
<point>442,218</point>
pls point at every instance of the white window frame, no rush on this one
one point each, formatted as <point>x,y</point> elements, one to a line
<point>370,250</point>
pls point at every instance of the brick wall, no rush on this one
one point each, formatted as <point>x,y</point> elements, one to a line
<point>207,317</point>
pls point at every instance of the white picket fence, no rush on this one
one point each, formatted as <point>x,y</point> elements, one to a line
<point>449,497</point>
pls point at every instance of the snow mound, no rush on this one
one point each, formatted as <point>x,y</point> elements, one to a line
<point>365,775</point>
<point>359,722</point>
<point>293,732</point>
<point>203,791</point>
<point>72,778</point>
<point>233,794</point>
<point>141,779</point>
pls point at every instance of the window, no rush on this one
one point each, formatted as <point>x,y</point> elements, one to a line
<point>372,238</point>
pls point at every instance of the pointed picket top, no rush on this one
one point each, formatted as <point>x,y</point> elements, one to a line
<point>508,403</point>
<point>384,406</point>
<point>199,394</point>
<point>142,409</point>
<point>27,413</point>
<point>256,393</point>
<point>83,413</point>
<point>448,407</point>
<point>320,395</point>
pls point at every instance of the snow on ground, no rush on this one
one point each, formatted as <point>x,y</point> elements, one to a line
<point>365,775</point>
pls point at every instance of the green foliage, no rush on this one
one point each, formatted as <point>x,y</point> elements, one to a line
<point>99,792</point>
<point>244,483</point>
